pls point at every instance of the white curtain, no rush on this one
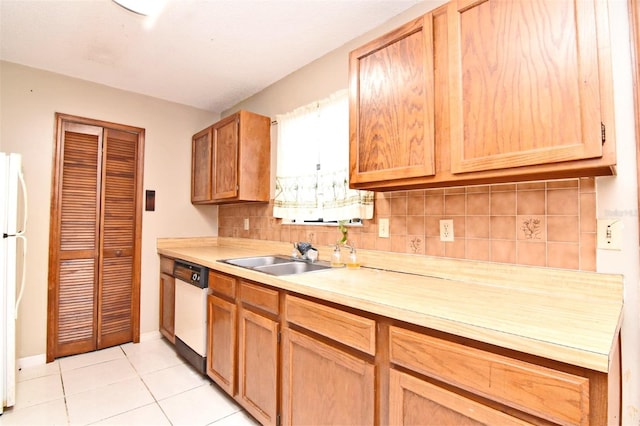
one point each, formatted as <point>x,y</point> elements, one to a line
<point>312,173</point>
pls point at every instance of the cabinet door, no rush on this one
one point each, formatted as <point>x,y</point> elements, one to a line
<point>412,401</point>
<point>524,83</point>
<point>221,341</point>
<point>201,162</point>
<point>324,385</point>
<point>391,109</point>
<point>167,306</point>
<point>258,366</point>
<point>225,158</point>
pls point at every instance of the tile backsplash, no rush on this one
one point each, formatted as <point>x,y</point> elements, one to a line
<point>551,223</point>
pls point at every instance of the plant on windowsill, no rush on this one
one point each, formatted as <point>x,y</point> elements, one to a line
<point>342,227</point>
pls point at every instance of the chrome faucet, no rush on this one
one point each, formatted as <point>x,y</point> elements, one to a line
<point>306,251</point>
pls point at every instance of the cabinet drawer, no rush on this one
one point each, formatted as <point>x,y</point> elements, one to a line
<point>166,265</point>
<point>346,328</point>
<point>222,284</point>
<point>550,394</point>
<point>259,297</point>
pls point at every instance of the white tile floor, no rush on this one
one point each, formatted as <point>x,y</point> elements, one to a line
<point>134,384</point>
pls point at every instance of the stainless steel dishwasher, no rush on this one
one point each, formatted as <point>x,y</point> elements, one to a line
<point>191,313</point>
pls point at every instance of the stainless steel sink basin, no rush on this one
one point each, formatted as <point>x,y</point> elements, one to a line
<point>276,265</point>
<point>252,262</point>
<point>290,268</point>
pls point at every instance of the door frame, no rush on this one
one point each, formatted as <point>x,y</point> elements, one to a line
<point>60,119</point>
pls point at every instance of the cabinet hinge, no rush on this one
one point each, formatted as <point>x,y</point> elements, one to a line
<point>278,419</point>
<point>603,131</point>
<point>279,337</point>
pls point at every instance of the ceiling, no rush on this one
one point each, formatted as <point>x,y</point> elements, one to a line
<point>210,54</point>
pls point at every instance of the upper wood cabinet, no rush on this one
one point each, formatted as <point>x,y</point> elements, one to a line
<point>514,91</point>
<point>391,105</point>
<point>524,86</point>
<point>201,164</point>
<point>231,160</point>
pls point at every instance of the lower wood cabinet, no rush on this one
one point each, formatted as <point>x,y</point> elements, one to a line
<point>412,401</point>
<point>538,393</point>
<point>295,360</point>
<point>324,385</point>
<point>167,299</point>
<point>221,342</point>
<point>328,371</point>
<point>258,352</point>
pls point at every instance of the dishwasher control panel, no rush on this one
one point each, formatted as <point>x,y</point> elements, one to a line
<point>191,273</point>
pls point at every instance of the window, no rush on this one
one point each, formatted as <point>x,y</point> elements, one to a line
<point>312,172</point>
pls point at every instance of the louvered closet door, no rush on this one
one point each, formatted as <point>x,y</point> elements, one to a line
<point>94,254</point>
<point>76,266</point>
<point>115,295</point>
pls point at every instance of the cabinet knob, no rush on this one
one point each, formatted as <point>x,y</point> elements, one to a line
<point>118,253</point>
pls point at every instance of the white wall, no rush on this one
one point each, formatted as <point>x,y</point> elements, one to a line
<point>617,198</point>
<point>28,99</point>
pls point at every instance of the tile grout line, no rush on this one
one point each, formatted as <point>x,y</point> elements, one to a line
<point>155,400</point>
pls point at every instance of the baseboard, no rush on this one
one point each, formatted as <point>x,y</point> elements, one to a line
<point>151,335</point>
<point>31,361</point>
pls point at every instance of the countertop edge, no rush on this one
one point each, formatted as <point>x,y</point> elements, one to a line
<point>598,361</point>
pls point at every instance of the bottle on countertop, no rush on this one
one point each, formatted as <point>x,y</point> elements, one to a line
<point>353,262</point>
<point>336,258</point>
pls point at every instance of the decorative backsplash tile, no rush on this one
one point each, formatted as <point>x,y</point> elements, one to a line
<point>550,223</point>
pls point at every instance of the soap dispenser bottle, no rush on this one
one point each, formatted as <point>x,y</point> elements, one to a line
<point>353,263</point>
<point>336,258</point>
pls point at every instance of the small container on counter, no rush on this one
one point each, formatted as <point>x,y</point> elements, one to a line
<point>353,262</point>
<point>336,258</point>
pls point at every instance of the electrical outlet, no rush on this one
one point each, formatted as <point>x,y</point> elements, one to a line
<point>609,234</point>
<point>446,230</point>
<point>383,228</point>
<point>246,223</point>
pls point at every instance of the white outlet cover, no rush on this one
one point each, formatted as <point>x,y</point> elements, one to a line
<point>246,224</point>
<point>446,230</point>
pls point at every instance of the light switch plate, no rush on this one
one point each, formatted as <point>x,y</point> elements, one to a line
<point>610,234</point>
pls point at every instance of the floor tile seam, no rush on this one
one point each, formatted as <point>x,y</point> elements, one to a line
<point>229,415</point>
<point>38,377</point>
<point>136,408</point>
<point>90,365</point>
<point>45,374</point>
<point>166,367</point>
<point>18,408</point>
<point>104,385</point>
<point>159,400</point>
<point>155,400</point>
<point>128,377</point>
<point>117,414</point>
<point>93,365</point>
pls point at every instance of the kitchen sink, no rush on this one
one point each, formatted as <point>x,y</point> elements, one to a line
<point>290,268</point>
<point>276,265</point>
<point>252,262</point>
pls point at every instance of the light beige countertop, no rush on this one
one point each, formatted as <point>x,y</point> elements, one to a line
<point>568,316</point>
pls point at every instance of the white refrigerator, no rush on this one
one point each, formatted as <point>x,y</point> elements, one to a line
<point>13,246</point>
